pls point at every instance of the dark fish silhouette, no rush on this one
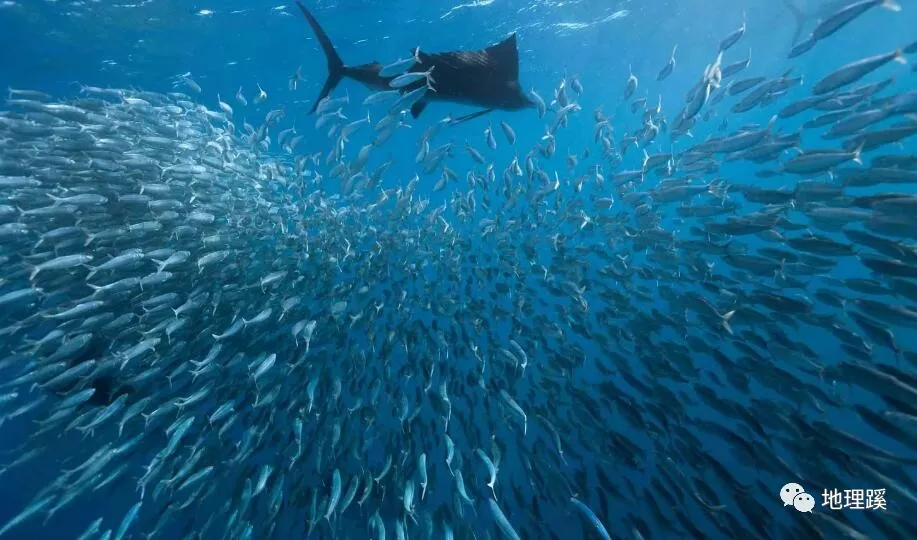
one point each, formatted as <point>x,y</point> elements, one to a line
<point>486,78</point>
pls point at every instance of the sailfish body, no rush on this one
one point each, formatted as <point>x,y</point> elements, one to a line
<point>487,78</point>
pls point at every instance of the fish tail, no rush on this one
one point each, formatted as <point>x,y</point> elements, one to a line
<point>336,68</point>
<point>857,152</point>
<point>799,17</point>
<point>724,321</point>
<point>891,5</point>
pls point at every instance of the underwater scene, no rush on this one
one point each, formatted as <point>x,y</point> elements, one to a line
<point>474,269</point>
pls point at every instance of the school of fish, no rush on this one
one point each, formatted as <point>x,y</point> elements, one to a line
<point>304,346</point>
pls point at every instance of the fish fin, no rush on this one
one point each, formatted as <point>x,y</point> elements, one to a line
<point>468,117</point>
<point>504,56</point>
<point>725,321</point>
<point>891,5</point>
<point>857,152</point>
<point>418,108</point>
<point>336,68</point>
<point>899,57</point>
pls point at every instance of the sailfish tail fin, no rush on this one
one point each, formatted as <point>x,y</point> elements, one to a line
<point>336,69</point>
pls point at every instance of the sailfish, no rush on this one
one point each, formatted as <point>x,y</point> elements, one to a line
<point>487,78</point>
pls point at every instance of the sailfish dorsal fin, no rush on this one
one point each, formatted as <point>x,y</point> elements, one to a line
<point>505,55</point>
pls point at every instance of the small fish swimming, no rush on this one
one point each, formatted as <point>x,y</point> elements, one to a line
<point>400,66</point>
<point>855,71</point>
<point>631,85</point>
<point>669,67</point>
<point>261,97</point>
<point>240,97</point>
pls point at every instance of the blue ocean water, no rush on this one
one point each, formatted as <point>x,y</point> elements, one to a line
<point>55,47</point>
